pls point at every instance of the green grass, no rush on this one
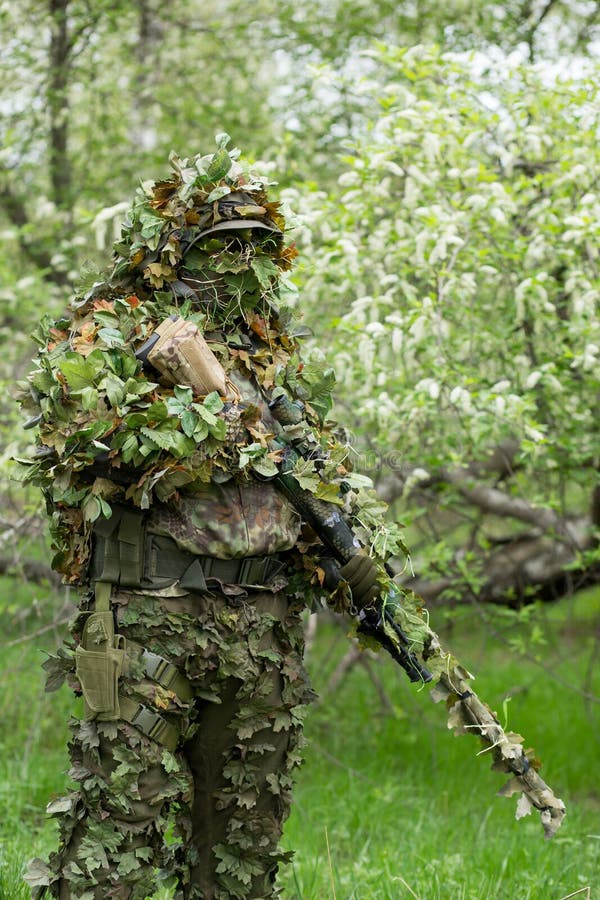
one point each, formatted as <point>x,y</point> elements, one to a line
<point>386,806</point>
<point>33,732</point>
<point>408,810</point>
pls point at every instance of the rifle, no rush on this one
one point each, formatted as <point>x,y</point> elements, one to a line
<point>398,622</point>
<point>328,522</point>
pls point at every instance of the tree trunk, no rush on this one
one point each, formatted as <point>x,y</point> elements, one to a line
<point>61,180</point>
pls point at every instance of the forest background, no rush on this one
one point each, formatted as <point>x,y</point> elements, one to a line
<point>442,165</point>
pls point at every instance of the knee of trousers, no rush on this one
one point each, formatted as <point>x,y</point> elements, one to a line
<point>151,787</point>
<point>136,785</point>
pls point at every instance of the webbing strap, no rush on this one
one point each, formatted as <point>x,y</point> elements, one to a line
<point>118,555</point>
<point>163,672</point>
<point>131,548</point>
<point>102,591</point>
<point>149,722</point>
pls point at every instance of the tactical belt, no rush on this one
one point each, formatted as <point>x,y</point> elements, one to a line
<point>125,554</point>
<point>165,563</point>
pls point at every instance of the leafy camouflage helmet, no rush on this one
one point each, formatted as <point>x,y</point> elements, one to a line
<point>207,196</point>
<point>177,231</point>
<point>234,215</point>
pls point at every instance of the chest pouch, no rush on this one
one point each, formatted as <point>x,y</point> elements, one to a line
<point>179,352</point>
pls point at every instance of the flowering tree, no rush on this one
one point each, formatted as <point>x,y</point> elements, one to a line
<point>458,264</point>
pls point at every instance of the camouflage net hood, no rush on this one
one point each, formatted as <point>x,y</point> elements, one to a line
<point>209,235</point>
<point>208,247</point>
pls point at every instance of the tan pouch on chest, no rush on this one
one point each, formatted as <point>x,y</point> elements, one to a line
<point>182,356</point>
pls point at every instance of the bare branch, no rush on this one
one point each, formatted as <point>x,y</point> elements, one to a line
<point>532,30</point>
<point>501,463</point>
<point>30,569</point>
<point>498,503</point>
<point>57,623</point>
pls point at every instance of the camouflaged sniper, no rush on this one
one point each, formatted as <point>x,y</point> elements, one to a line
<point>188,646</point>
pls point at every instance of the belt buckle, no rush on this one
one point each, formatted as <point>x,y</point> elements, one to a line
<point>148,722</point>
<point>157,667</point>
<point>273,566</point>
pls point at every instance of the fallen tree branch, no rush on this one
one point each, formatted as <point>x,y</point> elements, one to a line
<point>31,570</point>
<point>523,569</point>
<point>498,503</point>
<point>500,464</point>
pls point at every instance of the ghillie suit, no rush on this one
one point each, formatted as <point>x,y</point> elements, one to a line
<point>155,453</point>
<point>174,461</point>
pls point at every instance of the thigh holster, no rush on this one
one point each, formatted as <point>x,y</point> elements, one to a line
<point>99,662</point>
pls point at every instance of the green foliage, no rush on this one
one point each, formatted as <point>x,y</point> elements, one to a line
<point>453,250</point>
<point>487,163</point>
<point>450,262</point>
<point>34,732</point>
<point>460,263</point>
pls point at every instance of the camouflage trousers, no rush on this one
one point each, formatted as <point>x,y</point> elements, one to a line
<point>221,797</point>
